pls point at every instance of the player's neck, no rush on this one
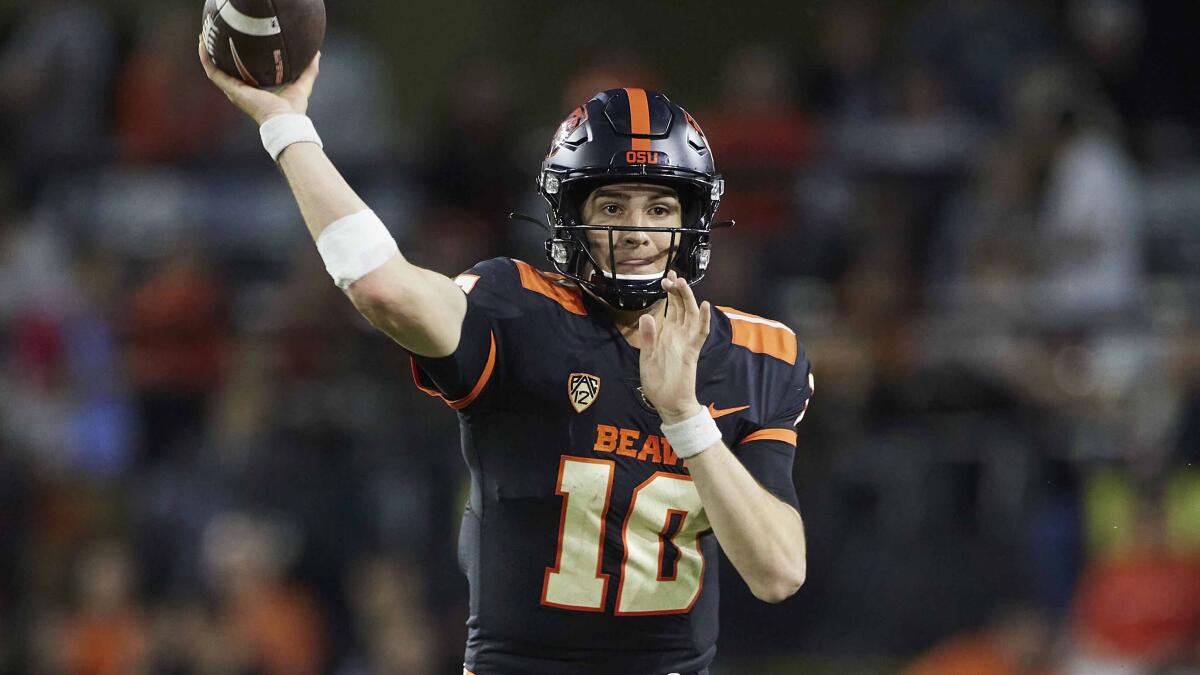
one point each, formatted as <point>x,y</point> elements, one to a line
<point>627,320</point>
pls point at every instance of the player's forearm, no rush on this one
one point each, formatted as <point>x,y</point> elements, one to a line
<point>762,536</point>
<point>321,192</point>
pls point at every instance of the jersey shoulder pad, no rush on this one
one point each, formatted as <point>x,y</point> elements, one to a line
<point>762,336</point>
<point>508,286</point>
<point>540,286</point>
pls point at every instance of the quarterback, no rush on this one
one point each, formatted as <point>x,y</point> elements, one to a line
<point>616,431</point>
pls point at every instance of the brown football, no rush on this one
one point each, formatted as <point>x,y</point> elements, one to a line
<point>265,43</point>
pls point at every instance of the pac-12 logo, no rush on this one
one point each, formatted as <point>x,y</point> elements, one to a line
<point>582,390</point>
<point>643,157</point>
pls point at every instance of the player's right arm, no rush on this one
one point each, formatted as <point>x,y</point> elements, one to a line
<point>420,309</point>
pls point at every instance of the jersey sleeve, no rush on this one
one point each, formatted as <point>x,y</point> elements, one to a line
<point>768,449</point>
<point>464,376</point>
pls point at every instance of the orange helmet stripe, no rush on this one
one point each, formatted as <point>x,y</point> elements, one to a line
<point>639,117</point>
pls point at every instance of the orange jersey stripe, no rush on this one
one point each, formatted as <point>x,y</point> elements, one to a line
<point>459,404</point>
<point>639,117</point>
<point>786,435</point>
<point>550,285</point>
<point>762,336</point>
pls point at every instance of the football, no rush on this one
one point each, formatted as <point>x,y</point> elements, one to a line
<point>264,43</point>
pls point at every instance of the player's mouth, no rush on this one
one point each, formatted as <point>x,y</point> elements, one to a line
<point>634,264</point>
<point>637,265</point>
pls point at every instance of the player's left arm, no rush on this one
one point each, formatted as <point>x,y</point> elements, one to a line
<point>762,536</point>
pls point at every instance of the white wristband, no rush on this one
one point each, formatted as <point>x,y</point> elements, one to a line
<point>281,131</point>
<point>354,246</point>
<point>693,435</point>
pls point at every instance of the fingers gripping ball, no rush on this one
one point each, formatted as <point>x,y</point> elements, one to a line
<point>265,43</point>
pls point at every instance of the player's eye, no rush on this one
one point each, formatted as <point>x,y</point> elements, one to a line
<point>610,210</point>
<point>662,210</point>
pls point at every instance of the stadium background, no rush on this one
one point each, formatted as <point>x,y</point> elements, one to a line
<point>982,217</point>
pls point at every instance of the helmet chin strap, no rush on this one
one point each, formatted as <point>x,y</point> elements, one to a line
<point>632,277</point>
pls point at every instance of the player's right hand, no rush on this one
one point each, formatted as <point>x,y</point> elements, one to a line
<point>261,104</point>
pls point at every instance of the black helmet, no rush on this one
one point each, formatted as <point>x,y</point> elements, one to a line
<point>629,135</point>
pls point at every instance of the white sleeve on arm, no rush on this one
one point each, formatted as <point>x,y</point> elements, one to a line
<point>354,246</point>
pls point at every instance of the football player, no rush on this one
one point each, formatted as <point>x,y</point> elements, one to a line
<point>616,431</point>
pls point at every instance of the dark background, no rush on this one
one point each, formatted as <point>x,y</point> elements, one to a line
<point>981,217</point>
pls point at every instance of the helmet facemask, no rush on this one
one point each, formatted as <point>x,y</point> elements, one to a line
<point>571,250</point>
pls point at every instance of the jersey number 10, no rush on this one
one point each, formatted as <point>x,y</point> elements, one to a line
<point>664,516</point>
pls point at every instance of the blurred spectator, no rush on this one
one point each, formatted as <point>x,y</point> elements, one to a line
<point>844,82</point>
<point>980,44</point>
<point>920,130</point>
<point>760,138</point>
<point>354,104</point>
<point>106,633</point>
<point>1090,221</point>
<point>55,77</point>
<point>982,255</point>
<point>35,265</point>
<point>275,626</point>
<point>165,109</point>
<point>175,349</point>
<point>1110,35</point>
<point>386,599</point>
<point>187,638</point>
<point>1138,610</point>
<point>102,438</point>
<point>65,402</point>
<point>1016,643</point>
<point>471,162</point>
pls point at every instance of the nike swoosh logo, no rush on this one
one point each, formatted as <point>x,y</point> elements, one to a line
<point>712,410</point>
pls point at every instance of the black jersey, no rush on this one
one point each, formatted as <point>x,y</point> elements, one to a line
<point>584,540</point>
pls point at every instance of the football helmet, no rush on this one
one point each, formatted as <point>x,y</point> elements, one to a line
<point>622,136</point>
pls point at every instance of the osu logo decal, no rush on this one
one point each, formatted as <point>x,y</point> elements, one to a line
<point>582,389</point>
<point>692,123</point>
<point>642,157</point>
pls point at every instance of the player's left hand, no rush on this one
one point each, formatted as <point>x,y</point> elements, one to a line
<point>671,349</point>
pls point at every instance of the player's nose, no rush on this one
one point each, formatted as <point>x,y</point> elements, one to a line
<point>632,238</point>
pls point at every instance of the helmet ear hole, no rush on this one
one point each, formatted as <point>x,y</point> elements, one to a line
<point>558,252</point>
<point>703,254</point>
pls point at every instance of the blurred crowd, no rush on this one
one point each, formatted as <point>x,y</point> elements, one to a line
<point>982,217</point>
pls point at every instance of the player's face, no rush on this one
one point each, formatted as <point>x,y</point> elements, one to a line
<point>633,205</point>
